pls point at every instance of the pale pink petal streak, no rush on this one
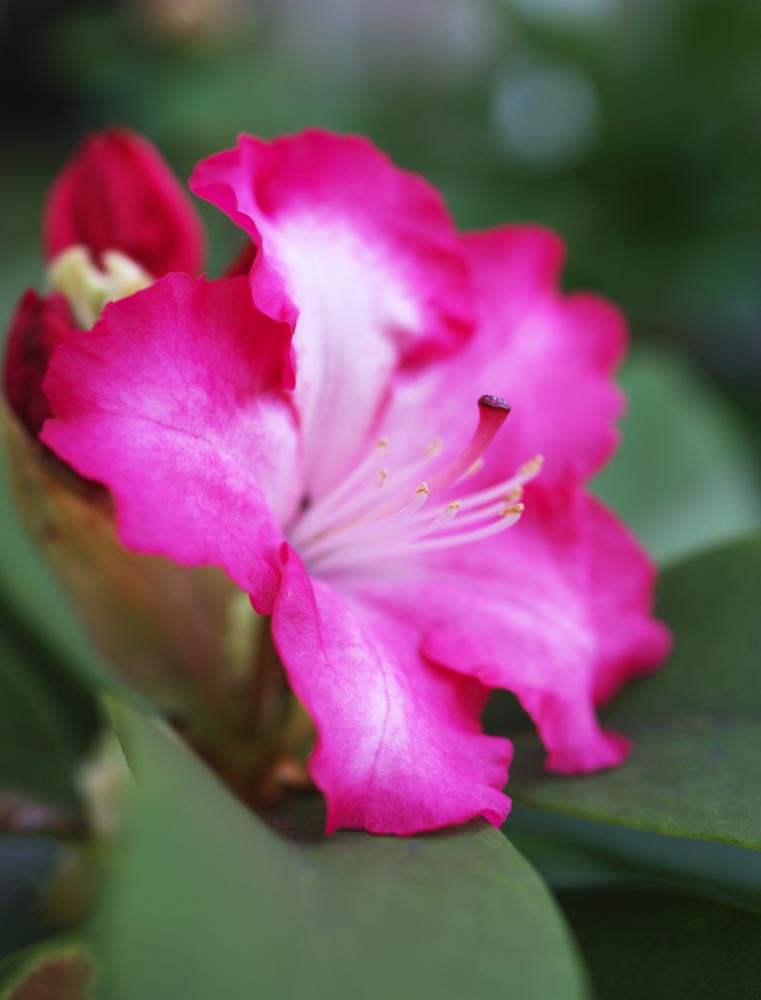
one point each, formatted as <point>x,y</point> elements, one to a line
<point>399,746</point>
<point>361,256</point>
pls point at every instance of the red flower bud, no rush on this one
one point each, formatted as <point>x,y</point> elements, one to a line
<point>118,193</point>
<point>39,325</point>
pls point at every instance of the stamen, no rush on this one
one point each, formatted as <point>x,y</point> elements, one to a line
<point>395,498</point>
<point>404,474</point>
<point>504,490</point>
<point>352,534</point>
<point>445,517</point>
<point>420,495</point>
<point>506,518</point>
<point>530,469</point>
<point>475,467</point>
<point>315,518</point>
<point>377,513</point>
<point>330,559</point>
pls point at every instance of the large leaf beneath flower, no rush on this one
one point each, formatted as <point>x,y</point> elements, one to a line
<point>663,947</point>
<point>695,770</point>
<point>212,902</point>
<point>45,724</point>
<point>685,476</point>
<point>29,588</point>
<point>571,853</point>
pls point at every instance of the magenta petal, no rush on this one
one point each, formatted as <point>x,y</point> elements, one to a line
<point>366,256</point>
<point>557,610</point>
<point>558,354</point>
<point>118,193</point>
<point>551,356</point>
<point>399,743</point>
<point>172,401</point>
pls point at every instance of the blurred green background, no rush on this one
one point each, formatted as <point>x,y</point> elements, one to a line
<point>632,126</point>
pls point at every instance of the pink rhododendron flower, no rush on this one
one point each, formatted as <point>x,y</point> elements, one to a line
<point>331,430</point>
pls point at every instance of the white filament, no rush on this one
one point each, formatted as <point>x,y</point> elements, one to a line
<point>375,514</point>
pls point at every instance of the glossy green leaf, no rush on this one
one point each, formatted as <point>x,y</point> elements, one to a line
<point>685,476</point>
<point>211,901</point>
<point>46,719</point>
<point>695,770</point>
<point>666,947</point>
<point>28,587</point>
<point>571,853</point>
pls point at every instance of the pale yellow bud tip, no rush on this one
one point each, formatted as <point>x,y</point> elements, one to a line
<point>88,288</point>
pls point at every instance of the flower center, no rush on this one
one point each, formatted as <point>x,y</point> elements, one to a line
<point>378,513</point>
<point>88,287</point>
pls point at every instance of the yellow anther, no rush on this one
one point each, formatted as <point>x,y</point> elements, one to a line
<point>516,508</point>
<point>531,468</point>
<point>475,467</point>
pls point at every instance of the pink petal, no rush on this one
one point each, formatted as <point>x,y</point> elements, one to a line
<point>552,356</point>
<point>363,253</point>
<point>173,402</point>
<point>118,193</point>
<point>399,747</point>
<point>38,326</point>
<point>558,610</point>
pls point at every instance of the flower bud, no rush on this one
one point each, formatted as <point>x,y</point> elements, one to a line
<point>39,325</point>
<point>118,193</point>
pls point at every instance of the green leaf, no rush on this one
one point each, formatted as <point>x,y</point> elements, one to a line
<point>27,587</point>
<point>664,947</point>
<point>571,853</point>
<point>46,719</point>
<point>695,770</point>
<point>685,477</point>
<point>210,901</point>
